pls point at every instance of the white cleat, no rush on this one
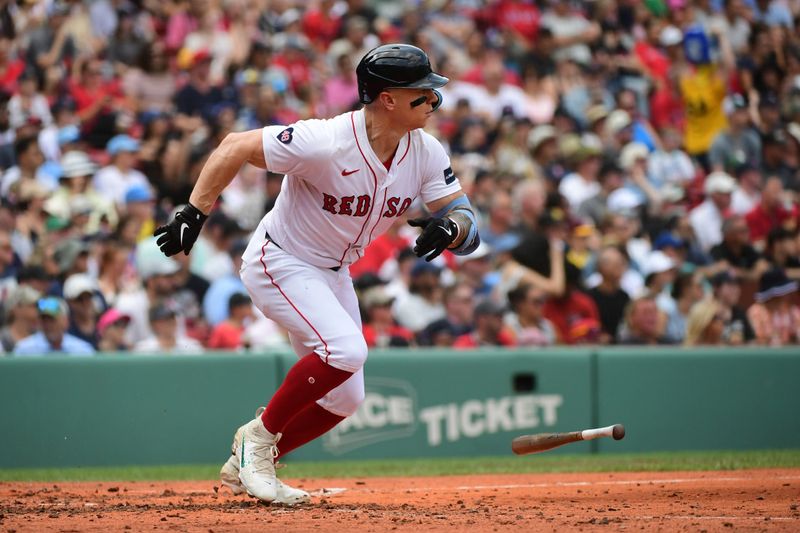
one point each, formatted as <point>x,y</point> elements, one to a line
<point>255,452</point>
<point>229,476</point>
<point>286,494</point>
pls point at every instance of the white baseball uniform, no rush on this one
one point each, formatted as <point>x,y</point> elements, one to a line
<point>337,197</point>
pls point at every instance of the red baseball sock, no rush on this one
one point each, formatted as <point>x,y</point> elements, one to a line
<point>310,423</point>
<point>307,381</point>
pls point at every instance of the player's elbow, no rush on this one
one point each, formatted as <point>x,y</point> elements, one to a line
<point>243,147</point>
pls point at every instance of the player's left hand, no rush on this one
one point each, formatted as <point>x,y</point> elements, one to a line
<point>437,234</point>
<point>180,234</point>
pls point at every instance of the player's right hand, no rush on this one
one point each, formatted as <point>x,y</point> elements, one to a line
<point>181,233</point>
<point>437,235</point>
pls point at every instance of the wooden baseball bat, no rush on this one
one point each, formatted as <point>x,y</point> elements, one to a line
<point>541,442</point>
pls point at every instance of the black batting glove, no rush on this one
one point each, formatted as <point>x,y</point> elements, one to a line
<point>437,234</point>
<point>181,233</point>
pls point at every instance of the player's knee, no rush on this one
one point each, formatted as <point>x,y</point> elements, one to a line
<point>358,351</point>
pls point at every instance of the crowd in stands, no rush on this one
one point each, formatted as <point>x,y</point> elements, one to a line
<point>635,166</point>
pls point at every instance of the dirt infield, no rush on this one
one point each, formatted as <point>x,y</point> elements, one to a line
<point>742,500</point>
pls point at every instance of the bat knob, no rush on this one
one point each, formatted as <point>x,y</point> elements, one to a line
<point>618,432</point>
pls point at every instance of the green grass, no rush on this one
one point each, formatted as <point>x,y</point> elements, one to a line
<point>652,462</point>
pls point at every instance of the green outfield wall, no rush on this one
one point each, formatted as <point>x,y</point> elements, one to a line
<point>127,410</point>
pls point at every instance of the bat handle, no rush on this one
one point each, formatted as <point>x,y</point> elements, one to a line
<point>616,431</point>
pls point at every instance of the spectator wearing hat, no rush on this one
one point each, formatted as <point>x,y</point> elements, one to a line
<point>20,316</point>
<point>222,288</point>
<point>769,117</point>
<point>727,292</point>
<point>111,328</point>
<point>75,187</point>
<point>705,324</point>
<point>748,194</point>
<point>199,96</point>
<point>489,328</point>
<point>706,218</point>
<point>774,161</point>
<point>157,274</point>
<point>618,130</point>
<point>85,306</point>
<point>673,246</point>
<point>595,208</point>
<point>659,271</point>
<point>114,180</point>
<point>165,338</point>
<point>227,335</point>
<point>770,213</point>
<point>738,143</point>
<point>526,321</point>
<point>459,304</point>
<point>703,89</point>
<point>380,329</point>
<point>582,184</point>
<point>644,323</point>
<point>736,252</point>
<point>582,245</point>
<point>423,304</point>
<point>774,316</point>
<point>609,297</point>
<point>633,161</point>
<point>543,148</point>
<point>476,270</point>
<point>783,251</point>
<point>140,206</point>
<point>71,256</point>
<point>53,336</point>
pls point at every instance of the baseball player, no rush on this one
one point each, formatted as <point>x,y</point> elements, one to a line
<point>347,179</point>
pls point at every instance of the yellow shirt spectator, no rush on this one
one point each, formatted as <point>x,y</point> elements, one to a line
<point>703,92</point>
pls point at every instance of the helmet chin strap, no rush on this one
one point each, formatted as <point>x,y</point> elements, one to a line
<point>422,99</point>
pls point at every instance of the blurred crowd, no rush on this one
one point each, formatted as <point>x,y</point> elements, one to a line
<point>635,166</point>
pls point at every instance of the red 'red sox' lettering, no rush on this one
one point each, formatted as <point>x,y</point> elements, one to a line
<point>344,205</point>
<point>391,207</point>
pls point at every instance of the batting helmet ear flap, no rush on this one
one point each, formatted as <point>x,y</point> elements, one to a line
<point>439,99</point>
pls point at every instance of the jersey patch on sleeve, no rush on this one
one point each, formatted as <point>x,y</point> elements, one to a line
<point>449,176</point>
<point>286,136</point>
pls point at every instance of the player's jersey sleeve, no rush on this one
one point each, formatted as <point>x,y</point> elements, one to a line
<point>300,150</point>
<point>438,179</point>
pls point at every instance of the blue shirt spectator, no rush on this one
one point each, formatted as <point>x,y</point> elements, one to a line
<point>53,338</point>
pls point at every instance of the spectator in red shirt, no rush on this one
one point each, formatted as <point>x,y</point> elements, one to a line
<point>10,68</point>
<point>96,100</point>
<point>489,329</point>
<point>574,314</point>
<point>319,24</point>
<point>770,213</point>
<point>227,335</point>
<point>380,329</point>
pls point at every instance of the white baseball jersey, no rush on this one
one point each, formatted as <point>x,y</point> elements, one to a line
<point>337,195</point>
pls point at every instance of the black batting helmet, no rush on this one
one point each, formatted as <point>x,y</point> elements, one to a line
<point>395,66</point>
